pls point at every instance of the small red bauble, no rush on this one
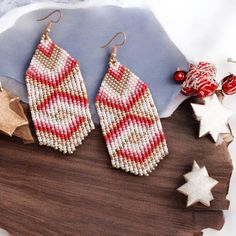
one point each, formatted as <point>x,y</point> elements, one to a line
<point>180,76</point>
<point>229,84</point>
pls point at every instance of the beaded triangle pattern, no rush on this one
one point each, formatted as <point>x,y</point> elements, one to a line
<point>130,122</point>
<point>57,98</point>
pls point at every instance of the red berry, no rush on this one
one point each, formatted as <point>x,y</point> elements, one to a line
<point>180,76</point>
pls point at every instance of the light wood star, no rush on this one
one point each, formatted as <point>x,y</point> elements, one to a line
<point>9,119</point>
<point>198,186</point>
<point>213,117</point>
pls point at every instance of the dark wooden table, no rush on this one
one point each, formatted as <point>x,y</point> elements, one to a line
<point>43,192</point>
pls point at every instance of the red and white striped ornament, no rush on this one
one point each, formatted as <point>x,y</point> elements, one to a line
<point>129,120</point>
<point>200,80</point>
<point>228,84</point>
<point>57,98</point>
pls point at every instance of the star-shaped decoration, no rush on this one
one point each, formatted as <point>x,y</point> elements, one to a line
<point>198,186</point>
<point>213,117</point>
<point>9,119</point>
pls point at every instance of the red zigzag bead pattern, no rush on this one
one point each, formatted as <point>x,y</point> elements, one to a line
<point>57,98</point>
<point>129,121</point>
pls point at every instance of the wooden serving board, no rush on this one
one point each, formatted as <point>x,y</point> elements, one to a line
<point>43,192</point>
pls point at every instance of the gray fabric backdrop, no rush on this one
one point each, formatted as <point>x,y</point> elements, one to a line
<point>148,52</point>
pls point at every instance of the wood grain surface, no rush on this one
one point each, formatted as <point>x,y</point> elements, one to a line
<point>43,192</point>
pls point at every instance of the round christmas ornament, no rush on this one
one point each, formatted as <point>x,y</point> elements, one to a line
<point>180,75</point>
<point>228,84</point>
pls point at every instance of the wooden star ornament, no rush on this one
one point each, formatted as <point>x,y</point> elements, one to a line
<point>9,119</point>
<point>198,187</point>
<point>213,117</point>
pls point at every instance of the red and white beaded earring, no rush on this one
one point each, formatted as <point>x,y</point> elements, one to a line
<point>57,96</point>
<point>129,119</point>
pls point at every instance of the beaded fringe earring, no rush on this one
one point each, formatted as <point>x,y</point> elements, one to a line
<point>57,96</point>
<point>129,119</point>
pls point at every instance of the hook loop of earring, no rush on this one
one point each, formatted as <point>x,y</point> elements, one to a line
<point>114,48</point>
<point>51,21</point>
